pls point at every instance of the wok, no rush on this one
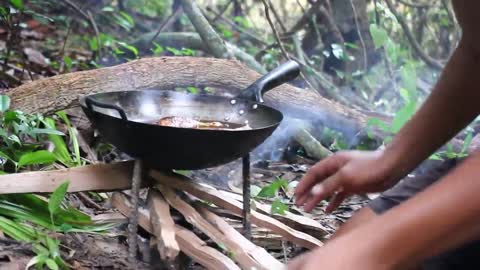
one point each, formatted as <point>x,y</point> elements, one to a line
<point>126,120</point>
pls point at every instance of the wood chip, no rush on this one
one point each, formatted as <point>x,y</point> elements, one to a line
<point>211,194</point>
<point>163,226</point>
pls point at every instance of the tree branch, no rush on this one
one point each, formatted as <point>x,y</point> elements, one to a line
<point>213,41</point>
<point>416,47</point>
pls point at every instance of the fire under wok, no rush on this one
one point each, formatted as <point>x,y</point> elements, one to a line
<point>173,130</point>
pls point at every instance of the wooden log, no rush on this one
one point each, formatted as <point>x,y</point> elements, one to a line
<point>98,177</point>
<point>211,194</point>
<point>163,226</point>
<point>62,91</point>
<point>193,217</point>
<point>298,222</point>
<point>188,242</point>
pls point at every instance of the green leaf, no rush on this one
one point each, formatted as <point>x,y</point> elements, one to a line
<point>379,35</point>
<point>18,4</point>
<point>278,207</point>
<point>68,62</point>
<point>93,44</point>
<point>73,133</point>
<point>60,151</point>
<point>378,123</point>
<point>271,190</point>
<point>403,116</point>
<point>57,197</point>
<point>405,94</point>
<point>392,51</point>
<point>39,259</point>
<point>175,51</point>
<point>409,78</point>
<point>131,48</point>
<point>50,131</point>
<point>435,157</point>
<point>4,103</point>
<point>38,157</point>
<point>158,49</point>
<point>467,141</point>
<point>192,89</point>
<point>51,264</point>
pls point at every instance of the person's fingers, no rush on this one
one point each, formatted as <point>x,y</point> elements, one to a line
<point>322,191</point>
<point>336,200</point>
<point>316,174</point>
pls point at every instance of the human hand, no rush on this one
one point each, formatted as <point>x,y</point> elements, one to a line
<point>343,174</point>
<point>341,255</point>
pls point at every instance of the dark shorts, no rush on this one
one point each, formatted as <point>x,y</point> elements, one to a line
<point>466,257</point>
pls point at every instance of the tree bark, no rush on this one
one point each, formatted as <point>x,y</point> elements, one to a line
<point>59,92</point>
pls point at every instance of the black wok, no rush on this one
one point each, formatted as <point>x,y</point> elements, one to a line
<point>126,120</point>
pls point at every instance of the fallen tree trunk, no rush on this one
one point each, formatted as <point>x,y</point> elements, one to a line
<point>59,92</point>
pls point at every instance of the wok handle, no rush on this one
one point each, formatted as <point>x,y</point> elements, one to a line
<point>281,74</point>
<point>89,101</point>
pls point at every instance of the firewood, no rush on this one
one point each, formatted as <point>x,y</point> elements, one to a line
<point>298,222</point>
<point>259,254</point>
<point>98,177</point>
<point>163,226</point>
<point>188,242</point>
<point>193,217</point>
<point>211,194</point>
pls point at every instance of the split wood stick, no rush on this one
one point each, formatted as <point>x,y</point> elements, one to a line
<point>298,222</point>
<point>200,252</point>
<point>98,177</point>
<point>263,258</point>
<point>211,194</point>
<point>188,242</point>
<point>193,217</point>
<point>163,226</point>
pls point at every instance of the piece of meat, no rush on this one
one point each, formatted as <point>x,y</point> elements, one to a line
<point>186,122</point>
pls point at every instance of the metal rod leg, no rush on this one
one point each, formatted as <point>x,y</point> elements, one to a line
<point>133,222</point>
<point>246,197</point>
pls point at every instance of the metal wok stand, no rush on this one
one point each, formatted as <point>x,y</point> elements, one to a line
<point>246,197</point>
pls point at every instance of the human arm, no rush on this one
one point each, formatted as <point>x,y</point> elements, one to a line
<point>453,103</point>
<point>444,216</point>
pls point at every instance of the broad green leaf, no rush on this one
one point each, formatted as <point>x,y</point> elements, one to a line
<point>57,197</point>
<point>52,265</point>
<point>379,35</point>
<point>128,18</point>
<point>4,103</point>
<point>108,9</point>
<point>271,190</point>
<point>93,44</point>
<point>68,62</point>
<point>38,157</point>
<point>405,94</point>
<point>278,207</point>
<point>403,116</point>
<point>40,249</point>
<point>18,4</point>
